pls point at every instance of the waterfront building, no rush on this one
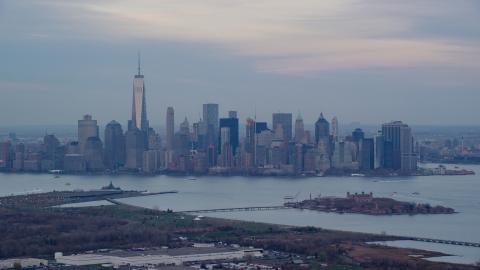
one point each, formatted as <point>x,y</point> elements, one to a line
<point>400,135</point>
<point>48,145</point>
<point>299,129</point>
<point>152,160</point>
<point>59,157</point>
<point>170,128</point>
<point>74,163</point>
<point>6,158</point>
<point>334,129</point>
<point>114,153</point>
<point>284,119</point>
<point>409,159</point>
<point>134,147</point>
<point>93,154</point>
<point>341,155</point>
<point>309,165</point>
<point>33,162</point>
<point>232,124</point>
<point>18,163</point>
<point>379,150</point>
<point>86,128</point>
<point>366,147</point>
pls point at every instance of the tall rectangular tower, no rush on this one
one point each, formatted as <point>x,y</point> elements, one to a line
<point>285,119</point>
<point>210,115</point>
<point>86,128</point>
<point>170,128</point>
<point>232,124</point>
<point>114,153</point>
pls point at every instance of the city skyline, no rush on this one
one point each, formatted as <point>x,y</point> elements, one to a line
<point>362,61</point>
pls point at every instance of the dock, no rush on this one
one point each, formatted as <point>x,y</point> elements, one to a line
<point>448,242</point>
<point>251,208</point>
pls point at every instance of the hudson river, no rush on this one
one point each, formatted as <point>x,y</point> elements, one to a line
<point>209,192</point>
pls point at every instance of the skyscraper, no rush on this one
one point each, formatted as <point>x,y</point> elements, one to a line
<point>367,155</point>
<point>170,128</point>
<point>322,130</point>
<point>379,146</point>
<point>139,106</point>
<point>224,135</point>
<point>285,119</point>
<point>93,154</point>
<point>400,135</point>
<point>86,128</point>
<point>299,129</point>
<point>185,127</point>
<point>250,137</point>
<point>114,153</point>
<point>134,148</point>
<point>232,124</point>
<point>358,134</point>
<point>334,129</point>
<point>232,114</point>
<point>210,115</point>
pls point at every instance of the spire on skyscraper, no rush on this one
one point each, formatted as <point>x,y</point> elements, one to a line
<point>139,63</point>
<point>299,117</point>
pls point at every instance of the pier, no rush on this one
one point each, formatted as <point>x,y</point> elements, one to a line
<point>251,208</point>
<point>448,242</point>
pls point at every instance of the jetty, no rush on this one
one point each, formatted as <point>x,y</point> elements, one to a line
<point>250,208</point>
<point>449,242</point>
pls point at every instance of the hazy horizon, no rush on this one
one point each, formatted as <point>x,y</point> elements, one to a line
<point>361,61</point>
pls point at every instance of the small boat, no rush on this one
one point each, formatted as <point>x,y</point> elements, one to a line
<point>394,193</point>
<point>192,178</point>
<point>456,167</point>
<point>288,197</point>
<point>415,193</point>
<point>375,180</point>
<point>67,184</point>
<point>56,176</point>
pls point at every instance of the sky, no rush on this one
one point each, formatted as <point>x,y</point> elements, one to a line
<point>366,61</point>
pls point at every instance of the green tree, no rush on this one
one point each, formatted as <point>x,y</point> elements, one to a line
<point>17,266</point>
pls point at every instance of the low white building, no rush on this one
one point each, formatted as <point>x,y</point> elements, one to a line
<point>24,262</point>
<point>170,256</point>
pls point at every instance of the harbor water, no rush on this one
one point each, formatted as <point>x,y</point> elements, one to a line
<point>212,192</point>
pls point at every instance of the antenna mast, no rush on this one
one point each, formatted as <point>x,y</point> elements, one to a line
<point>138,63</point>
